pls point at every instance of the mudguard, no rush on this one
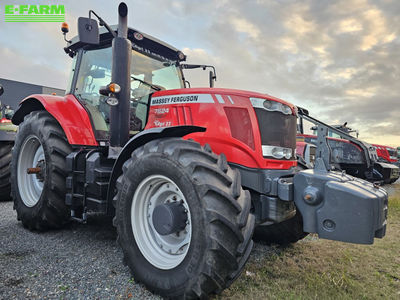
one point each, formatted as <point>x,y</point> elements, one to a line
<point>139,140</point>
<point>340,207</point>
<point>67,110</point>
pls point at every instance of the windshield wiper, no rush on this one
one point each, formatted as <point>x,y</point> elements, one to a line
<point>154,87</point>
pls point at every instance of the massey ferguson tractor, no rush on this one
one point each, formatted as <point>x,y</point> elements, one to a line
<point>186,172</point>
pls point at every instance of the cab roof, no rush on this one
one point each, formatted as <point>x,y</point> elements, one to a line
<point>140,41</point>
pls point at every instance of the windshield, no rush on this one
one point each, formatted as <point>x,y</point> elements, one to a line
<point>164,74</point>
<point>95,72</point>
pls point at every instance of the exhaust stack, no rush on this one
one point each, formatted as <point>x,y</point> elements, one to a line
<point>121,74</point>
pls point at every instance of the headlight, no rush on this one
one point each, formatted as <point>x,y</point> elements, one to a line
<point>277,152</point>
<point>271,105</point>
<point>267,104</point>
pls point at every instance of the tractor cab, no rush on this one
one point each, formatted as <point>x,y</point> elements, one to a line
<point>154,67</point>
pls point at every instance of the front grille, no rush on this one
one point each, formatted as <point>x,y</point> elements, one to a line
<point>277,129</point>
<point>240,125</point>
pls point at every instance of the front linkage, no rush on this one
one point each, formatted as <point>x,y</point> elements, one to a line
<point>335,205</point>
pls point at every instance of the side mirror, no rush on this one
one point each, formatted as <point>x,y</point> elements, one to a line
<point>211,78</point>
<point>1,90</point>
<point>88,31</point>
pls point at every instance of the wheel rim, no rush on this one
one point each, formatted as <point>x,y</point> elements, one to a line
<point>30,186</point>
<point>162,251</point>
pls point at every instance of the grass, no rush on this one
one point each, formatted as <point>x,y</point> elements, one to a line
<point>322,269</point>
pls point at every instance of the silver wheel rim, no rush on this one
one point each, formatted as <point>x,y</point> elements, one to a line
<point>29,186</point>
<point>164,252</point>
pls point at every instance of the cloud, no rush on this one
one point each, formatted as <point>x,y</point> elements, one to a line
<point>350,25</point>
<point>299,21</point>
<point>244,26</point>
<point>340,59</point>
<point>378,31</point>
<point>32,71</point>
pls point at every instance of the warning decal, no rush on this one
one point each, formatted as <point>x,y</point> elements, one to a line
<point>184,98</point>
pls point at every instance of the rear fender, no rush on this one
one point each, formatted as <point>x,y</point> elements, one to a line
<point>139,140</point>
<point>67,110</point>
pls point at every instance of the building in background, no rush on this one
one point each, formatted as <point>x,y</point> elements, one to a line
<point>15,91</point>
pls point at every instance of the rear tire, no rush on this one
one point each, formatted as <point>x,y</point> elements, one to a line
<point>5,173</point>
<point>283,233</point>
<point>220,223</point>
<point>40,199</point>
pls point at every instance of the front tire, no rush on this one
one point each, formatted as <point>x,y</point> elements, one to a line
<point>217,236</point>
<point>5,174</point>
<point>39,198</point>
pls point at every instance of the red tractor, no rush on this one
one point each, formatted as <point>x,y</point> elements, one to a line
<point>345,152</point>
<point>386,154</point>
<point>186,173</point>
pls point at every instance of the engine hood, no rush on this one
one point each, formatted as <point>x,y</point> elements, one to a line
<point>221,91</point>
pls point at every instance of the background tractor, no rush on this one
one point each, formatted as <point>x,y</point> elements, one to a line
<point>185,172</point>
<point>386,154</point>
<point>398,156</point>
<point>12,92</point>
<point>346,152</point>
<point>7,135</point>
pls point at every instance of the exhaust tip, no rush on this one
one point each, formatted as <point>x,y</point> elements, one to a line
<point>123,9</point>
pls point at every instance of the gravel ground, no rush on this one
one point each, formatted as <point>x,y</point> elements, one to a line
<point>78,262</point>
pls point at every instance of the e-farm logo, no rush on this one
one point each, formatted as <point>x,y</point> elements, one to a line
<point>34,13</point>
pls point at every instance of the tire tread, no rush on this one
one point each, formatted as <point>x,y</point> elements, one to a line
<point>53,213</point>
<point>5,170</point>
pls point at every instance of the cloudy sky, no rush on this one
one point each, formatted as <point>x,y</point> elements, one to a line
<point>339,59</point>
